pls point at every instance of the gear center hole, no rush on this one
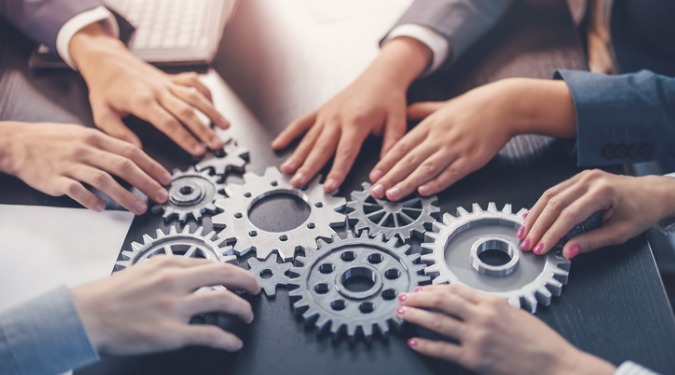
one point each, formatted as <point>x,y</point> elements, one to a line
<point>358,279</point>
<point>494,252</point>
<point>279,211</point>
<point>186,190</point>
<point>266,273</point>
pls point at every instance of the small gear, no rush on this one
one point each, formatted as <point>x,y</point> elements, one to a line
<point>231,158</point>
<point>350,285</point>
<point>185,243</point>
<point>270,273</point>
<point>191,194</point>
<point>238,228</point>
<point>456,255</point>
<point>404,219</point>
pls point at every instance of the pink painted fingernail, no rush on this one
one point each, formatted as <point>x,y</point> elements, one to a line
<point>400,310</point>
<point>539,248</point>
<point>418,289</point>
<point>520,233</point>
<point>394,193</point>
<point>403,297</point>
<point>525,245</point>
<point>413,343</point>
<point>377,191</point>
<point>525,214</point>
<point>376,175</point>
<point>573,251</point>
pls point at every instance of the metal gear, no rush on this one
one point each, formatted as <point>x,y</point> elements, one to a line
<point>191,194</point>
<point>404,219</point>
<point>231,158</point>
<point>524,279</point>
<point>350,285</point>
<point>184,243</point>
<point>270,273</point>
<point>238,228</point>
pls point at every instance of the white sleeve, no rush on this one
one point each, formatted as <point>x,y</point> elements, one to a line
<point>80,21</point>
<point>632,368</point>
<point>437,44</point>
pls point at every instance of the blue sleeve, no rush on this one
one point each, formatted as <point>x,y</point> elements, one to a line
<point>44,336</point>
<point>622,119</point>
<point>41,20</point>
<point>460,22</point>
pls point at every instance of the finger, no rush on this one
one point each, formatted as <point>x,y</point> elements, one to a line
<point>402,148</point>
<point>463,291</point>
<point>162,261</point>
<point>443,324</point>
<point>191,79</point>
<point>211,336</point>
<point>186,114</point>
<point>80,194</point>
<point>324,149</point>
<point>448,303</point>
<point>348,148</point>
<point>198,100</point>
<point>102,181</point>
<point>226,275</point>
<point>613,234</point>
<point>168,125</point>
<point>294,130</point>
<point>426,171</point>
<point>454,172</point>
<point>394,130</point>
<point>217,301</point>
<point>306,145</point>
<point>436,349</point>
<point>111,123</point>
<point>145,162</point>
<point>536,210</point>
<point>418,111</point>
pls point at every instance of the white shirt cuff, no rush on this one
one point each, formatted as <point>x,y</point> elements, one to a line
<point>437,44</point>
<point>631,368</point>
<point>80,21</point>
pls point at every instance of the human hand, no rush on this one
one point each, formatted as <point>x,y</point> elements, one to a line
<point>146,308</point>
<point>373,104</point>
<point>120,84</point>
<point>492,337</point>
<point>57,159</point>
<point>630,205</point>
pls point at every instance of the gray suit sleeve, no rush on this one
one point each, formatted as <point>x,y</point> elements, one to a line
<point>460,22</point>
<point>622,119</point>
<point>41,20</point>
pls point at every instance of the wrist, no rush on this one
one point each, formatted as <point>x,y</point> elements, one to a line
<point>8,132</point>
<point>400,62</point>
<point>89,45</point>
<point>581,363</point>
<point>666,190</point>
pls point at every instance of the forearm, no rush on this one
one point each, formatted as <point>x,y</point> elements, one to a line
<point>91,44</point>
<point>400,62</point>
<point>7,143</point>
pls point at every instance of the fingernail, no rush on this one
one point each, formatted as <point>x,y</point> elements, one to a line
<point>424,190</point>
<point>539,248</point>
<point>520,232</point>
<point>238,345</point>
<point>199,149</point>
<point>525,214</point>
<point>330,185</point>
<point>418,289</point>
<point>100,207</point>
<point>140,207</point>
<point>376,175</point>
<point>217,143</point>
<point>400,310</point>
<point>413,343</point>
<point>525,245</point>
<point>402,297</point>
<point>394,193</point>
<point>162,195</point>
<point>573,251</point>
<point>377,191</point>
<point>166,178</point>
<point>251,320</point>
<point>222,122</point>
<point>298,179</point>
<point>288,165</point>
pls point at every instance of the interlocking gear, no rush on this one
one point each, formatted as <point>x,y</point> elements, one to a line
<point>231,158</point>
<point>191,194</point>
<point>270,273</point>
<point>350,285</point>
<point>184,243</point>
<point>238,228</point>
<point>457,254</point>
<point>404,219</point>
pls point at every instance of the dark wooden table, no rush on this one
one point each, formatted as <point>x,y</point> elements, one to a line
<point>280,59</point>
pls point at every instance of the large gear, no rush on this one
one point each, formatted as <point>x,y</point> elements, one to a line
<point>191,194</point>
<point>270,273</point>
<point>326,294</point>
<point>184,243</point>
<point>231,158</point>
<point>238,228</point>
<point>404,219</point>
<point>524,279</point>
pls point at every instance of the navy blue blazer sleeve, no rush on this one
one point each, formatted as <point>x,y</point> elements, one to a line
<point>41,20</point>
<point>622,119</point>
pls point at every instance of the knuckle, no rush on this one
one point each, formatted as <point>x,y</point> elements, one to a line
<point>145,99</point>
<point>428,167</point>
<point>100,178</point>
<point>555,204</point>
<point>72,188</point>
<point>166,280</point>
<point>549,194</point>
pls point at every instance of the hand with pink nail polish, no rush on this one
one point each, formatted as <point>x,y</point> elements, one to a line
<point>631,205</point>
<point>490,336</point>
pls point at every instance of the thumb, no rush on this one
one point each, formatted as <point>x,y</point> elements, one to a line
<point>418,111</point>
<point>610,234</point>
<point>111,123</point>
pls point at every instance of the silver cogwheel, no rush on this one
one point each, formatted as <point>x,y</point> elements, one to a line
<point>349,286</point>
<point>404,219</point>
<point>231,158</point>
<point>270,273</point>
<point>184,243</point>
<point>238,228</point>
<point>191,194</point>
<point>457,254</point>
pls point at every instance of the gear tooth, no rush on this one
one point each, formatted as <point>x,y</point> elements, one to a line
<point>199,231</point>
<point>544,296</point>
<point>529,303</point>
<point>514,301</point>
<point>135,246</point>
<point>322,323</point>
<point>430,236</point>
<point>439,280</point>
<point>554,286</point>
<point>447,220</point>
<point>561,275</point>
<point>335,329</point>
<point>367,331</point>
<point>414,257</point>
<point>476,208</point>
<point>507,209</point>
<point>351,330</point>
<point>521,212</point>
<point>492,207</point>
<point>365,186</point>
<point>147,239</point>
<point>461,212</point>
<point>182,217</point>
<point>320,242</point>
<point>428,258</point>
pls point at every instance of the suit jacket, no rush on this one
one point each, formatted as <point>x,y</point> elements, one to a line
<point>628,118</point>
<point>41,20</point>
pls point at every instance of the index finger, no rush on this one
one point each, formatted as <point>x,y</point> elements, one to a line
<point>348,149</point>
<point>227,275</point>
<point>140,158</point>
